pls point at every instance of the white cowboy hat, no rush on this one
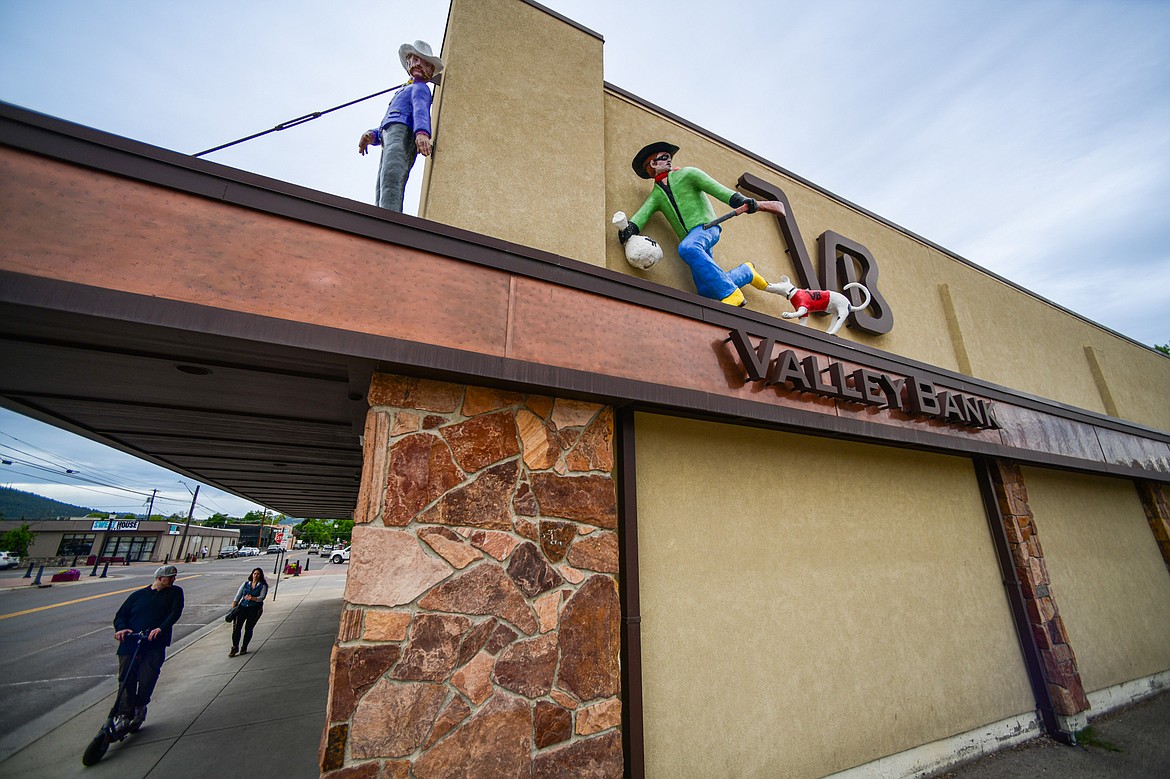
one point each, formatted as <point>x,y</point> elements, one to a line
<point>422,49</point>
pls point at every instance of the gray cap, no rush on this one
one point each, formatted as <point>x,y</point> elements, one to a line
<point>165,570</point>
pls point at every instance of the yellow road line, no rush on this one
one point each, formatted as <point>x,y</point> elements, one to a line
<point>82,600</point>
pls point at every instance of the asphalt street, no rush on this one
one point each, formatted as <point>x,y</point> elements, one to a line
<point>56,643</point>
<point>258,715</point>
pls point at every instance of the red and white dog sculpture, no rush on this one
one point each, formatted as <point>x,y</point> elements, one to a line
<point>825,301</point>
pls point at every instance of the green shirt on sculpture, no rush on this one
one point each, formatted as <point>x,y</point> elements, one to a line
<point>688,186</point>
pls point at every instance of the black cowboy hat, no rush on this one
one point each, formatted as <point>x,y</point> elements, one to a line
<point>639,163</point>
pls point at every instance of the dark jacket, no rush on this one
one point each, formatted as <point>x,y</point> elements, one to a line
<point>147,609</point>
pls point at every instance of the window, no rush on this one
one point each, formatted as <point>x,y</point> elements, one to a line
<point>75,544</point>
<point>133,548</point>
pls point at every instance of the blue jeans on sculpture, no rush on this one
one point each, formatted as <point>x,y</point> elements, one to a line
<point>398,155</point>
<point>711,281</point>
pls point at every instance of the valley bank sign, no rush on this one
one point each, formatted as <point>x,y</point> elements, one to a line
<point>909,394</point>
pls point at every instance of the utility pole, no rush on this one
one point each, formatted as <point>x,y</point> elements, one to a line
<point>149,511</point>
<point>187,527</point>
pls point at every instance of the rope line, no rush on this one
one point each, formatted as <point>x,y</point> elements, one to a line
<point>299,120</point>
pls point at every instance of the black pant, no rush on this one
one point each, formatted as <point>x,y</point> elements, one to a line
<point>139,687</point>
<point>246,618</point>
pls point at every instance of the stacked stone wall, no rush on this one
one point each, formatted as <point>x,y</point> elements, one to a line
<point>481,632</point>
<point>1058,660</point>
<point>1157,510</point>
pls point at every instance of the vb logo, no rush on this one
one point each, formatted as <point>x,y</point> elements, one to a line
<point>842,261</point>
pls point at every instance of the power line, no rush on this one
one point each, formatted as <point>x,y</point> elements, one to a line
<point>80,472</point>
<point>61,461</point>
<point>40,479</point>
<point>81,481</point>
<point>70,473</point>
<point>67,484</point>
<point>29,454</point>
<point>208,506</point>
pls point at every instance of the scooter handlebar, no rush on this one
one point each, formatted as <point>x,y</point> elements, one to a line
<point>140,635</point>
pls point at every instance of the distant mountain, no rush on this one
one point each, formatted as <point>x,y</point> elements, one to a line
<point>17,505</point>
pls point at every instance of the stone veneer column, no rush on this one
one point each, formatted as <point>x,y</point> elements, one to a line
<point>1058,662</point>
<point>1158,513</point>
<point>481,631</point>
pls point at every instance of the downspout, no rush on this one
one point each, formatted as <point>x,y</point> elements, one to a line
<point>633,745</point>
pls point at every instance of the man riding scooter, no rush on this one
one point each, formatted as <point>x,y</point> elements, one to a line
<point>153,610</point>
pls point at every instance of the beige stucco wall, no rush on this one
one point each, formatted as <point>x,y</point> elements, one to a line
<point>1007,336</point>
<point>1021,342</point>
<point>518,123</point>
<point>811,605</point>
<point>1108,576</point>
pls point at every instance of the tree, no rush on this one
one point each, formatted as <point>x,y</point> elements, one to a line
<point>216,520</point>
<point>342,530</point>
<point>253,518</point>
<point>314,531</point>
<point>17,540</point>
<point>97,515</point>
<point>1163,348</point>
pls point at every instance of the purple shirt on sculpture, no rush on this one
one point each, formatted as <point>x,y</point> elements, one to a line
<point>410,106</point>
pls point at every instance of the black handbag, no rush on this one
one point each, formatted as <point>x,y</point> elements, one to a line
<point>231,615</point>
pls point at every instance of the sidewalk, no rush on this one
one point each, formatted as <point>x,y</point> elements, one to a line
<point>1130,743</point>
<point>255,716</point>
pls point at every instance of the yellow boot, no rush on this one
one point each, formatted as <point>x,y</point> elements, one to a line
<point>758,281</point>
<point>735,298</point>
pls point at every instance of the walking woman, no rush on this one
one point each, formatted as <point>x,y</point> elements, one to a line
<point>250,599</point>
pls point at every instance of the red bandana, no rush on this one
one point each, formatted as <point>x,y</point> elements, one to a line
<point>659,177</point>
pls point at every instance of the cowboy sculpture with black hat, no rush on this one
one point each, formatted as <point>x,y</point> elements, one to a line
<point>680,195</point>
<point>405,130</point>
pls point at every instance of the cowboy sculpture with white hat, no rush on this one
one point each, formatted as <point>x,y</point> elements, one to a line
<point>405,130</point>
<point>681,196</point>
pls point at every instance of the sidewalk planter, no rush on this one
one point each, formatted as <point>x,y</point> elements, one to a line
<point>71,575</point>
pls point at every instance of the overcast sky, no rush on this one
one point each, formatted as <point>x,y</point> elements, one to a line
<point>1029,137</point>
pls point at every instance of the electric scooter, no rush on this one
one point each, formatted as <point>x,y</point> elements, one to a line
<point>117,726</point>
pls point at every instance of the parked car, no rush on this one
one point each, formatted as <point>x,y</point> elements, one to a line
<point>275,549</point>
<point>300,545</point>
<point>314,548</point>
<point>229,551</point>
<point>249,551</point>
<point>8,560</point>
<point>340,555</point>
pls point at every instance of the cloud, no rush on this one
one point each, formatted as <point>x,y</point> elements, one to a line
<point>103,478</point>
